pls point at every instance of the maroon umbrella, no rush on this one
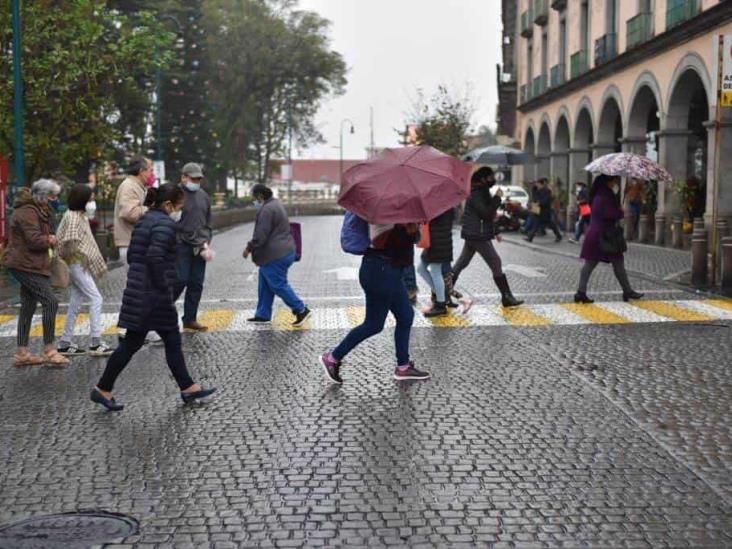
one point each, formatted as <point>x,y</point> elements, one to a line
<point>405,185</point>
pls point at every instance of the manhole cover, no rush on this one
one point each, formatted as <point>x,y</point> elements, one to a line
<point>72,530</point>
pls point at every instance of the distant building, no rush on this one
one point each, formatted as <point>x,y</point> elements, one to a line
<point>506,76</point>
<point>314,172</point>
<point>598,76</point>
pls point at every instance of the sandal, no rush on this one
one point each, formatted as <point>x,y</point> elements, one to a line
<point>55,359</point>
<point>27,360</point>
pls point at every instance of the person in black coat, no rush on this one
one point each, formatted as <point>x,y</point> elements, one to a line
<point>479,229</point>
<point>544,198</point>
<point>147,302</point>
<point>433,258</point>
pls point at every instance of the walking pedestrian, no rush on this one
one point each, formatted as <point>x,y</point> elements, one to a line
<point>147,302</point>
<point>544,199</point>
<point>194,237</point>
<point>27,257</point>
<point>604,240</point>
<point>479,230</point>
<point>433,258</point>
<point>532,218</point>
<point>583,211</point>
<point>634,192</point>
<point>391,249</point>
<point>129,202</point>
<point>272,248</point>
<point>76,246</point>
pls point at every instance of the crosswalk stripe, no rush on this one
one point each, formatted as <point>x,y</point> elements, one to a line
<point>37,327</point>
<point>345,318</point>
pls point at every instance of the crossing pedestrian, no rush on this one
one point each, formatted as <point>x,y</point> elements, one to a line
<point>147,302</point>
<point>194,238</point>
<point>391,249</point>
<point>76,245</point>
<point>27,257</point>
<point>129,201</point>
<point>583,211</point>
<point>544,220</point>
<point>272,248</point>
<point>434,257</point>
<point>479,230</point>
<point>604,239</point>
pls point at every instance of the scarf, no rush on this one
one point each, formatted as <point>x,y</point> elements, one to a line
<point>75,237</point>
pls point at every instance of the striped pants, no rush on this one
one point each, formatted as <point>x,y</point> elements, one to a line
<point>34,288</point>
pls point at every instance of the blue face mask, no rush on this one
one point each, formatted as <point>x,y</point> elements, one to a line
<point>193,187</point>
<point>54,204</point>
<point>257,205</point>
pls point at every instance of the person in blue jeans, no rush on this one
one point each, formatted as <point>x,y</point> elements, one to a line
<point>381,277</point>
<point>272,248</point>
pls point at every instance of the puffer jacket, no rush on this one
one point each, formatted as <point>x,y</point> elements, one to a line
<point>480,214</point>
<point>440,249</point>
<point>147,302</point>
<point>29,229</point>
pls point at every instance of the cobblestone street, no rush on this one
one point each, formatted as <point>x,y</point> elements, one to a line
<point>551,426</point>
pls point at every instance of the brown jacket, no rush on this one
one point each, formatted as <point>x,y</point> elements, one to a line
<point>30,227</point>
<point>128,209</point>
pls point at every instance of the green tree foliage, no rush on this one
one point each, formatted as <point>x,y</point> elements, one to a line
<point>443,121</point>
<point>86,70</point>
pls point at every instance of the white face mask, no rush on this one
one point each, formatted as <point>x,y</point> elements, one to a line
<point>176,215</point>
<point>193,187</point>
<point>616,189</point>
<point>91,209</point>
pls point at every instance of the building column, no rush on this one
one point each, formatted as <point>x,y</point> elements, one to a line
<point>635,145</point>
<point>724,194</point>
<point>672,155</point>
<point>577,159</point>
<point>601,149</point>
<point>543,166</point>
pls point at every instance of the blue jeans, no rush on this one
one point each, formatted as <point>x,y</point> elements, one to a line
<point>273,282</point>
<point>409,276</point>
<point>385,291</point>
<point>191,273</point>
<point>579,227</point>
<point>432,275</point>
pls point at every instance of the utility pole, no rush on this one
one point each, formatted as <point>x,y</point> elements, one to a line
<point>18,97</point>
<point>289,154</point>
<point>340,164</point>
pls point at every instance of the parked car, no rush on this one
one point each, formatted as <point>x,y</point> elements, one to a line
<point>514,193</point>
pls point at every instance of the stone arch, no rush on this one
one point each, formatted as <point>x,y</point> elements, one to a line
<point>582,139</point>
<point>643,122</point>
<point>529,146</point>
<point>610,127</point>
<point>560,151</point>
<point>543,150</point>
<point>585,105</point>
<point>694,62</point>
<point>644,83</point>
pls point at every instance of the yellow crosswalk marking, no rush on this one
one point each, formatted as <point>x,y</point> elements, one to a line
<point>521,316</point>
<point>725,304</point>
<point>452,320</point>
<point>283,318</point>
<point>37,330</point>
<point>217,320</point>
<point>7,318</point>
<point>594,313</point>
<point>356,315</point>
<point>672,311</point>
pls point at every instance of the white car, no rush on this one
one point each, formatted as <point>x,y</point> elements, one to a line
<point>514,193</point>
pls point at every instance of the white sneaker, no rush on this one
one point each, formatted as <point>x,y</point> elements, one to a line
<point>100,350</point>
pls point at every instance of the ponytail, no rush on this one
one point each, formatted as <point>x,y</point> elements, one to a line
<point>156,197</point>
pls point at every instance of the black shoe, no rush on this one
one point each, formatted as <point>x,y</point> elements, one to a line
<point>529,238</point>
<point>71,350</point>
<point>456,294</point>
<point>257,320</point>
<point>301,316</point>
<point>195,395</point>
<point>507,299</point>
<point>510,301</point>
<point>627,296</point>
<point>409,373</point>
<point>450,304</point>
<point>332,368</point>
<point>110,404</point>
<point>438,309</point>
<point>557,239</point>
<point>581,297</point>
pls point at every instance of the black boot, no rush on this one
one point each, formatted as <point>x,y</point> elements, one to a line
<point>507,299</point>
<point>449,291</point>
<point>632,294</point>
<point>581,297</point>
<point>438,309</point>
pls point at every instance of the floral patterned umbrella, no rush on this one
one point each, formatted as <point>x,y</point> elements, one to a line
<point>629,165</point>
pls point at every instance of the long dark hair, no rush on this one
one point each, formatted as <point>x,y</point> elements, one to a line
<point>170,192</point>
<point>78,196</point>
<point>601,181</point>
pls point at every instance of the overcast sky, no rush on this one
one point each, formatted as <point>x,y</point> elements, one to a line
<point>394,47</point>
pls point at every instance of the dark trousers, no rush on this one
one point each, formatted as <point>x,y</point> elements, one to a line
<point>385,291</point>
<point>409,276</point>
<point>191,273</point>
<point>618,268</point>
<point>547,223</point>
<point>132,343</point>
<point>486,251</point>
<point>34,288</point>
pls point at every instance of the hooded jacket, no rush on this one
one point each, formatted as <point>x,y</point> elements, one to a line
<point>30,227</point>
<point>480,214</point>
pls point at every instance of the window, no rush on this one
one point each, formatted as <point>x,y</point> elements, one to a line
<point>530,61</point>
<point>612,16</point>
<point>544,53</point>
<point>585,25</point>
<point>562,42</point>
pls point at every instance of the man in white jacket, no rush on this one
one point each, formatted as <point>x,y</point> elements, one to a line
<point>128,204</point>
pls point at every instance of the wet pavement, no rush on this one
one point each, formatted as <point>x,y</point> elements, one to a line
<point>613,430</point>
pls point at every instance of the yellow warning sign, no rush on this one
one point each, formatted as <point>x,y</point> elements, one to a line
<point>726,68</point>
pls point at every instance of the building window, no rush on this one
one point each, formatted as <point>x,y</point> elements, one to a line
<point>585,26</point>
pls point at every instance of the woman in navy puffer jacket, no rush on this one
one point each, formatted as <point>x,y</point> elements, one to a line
<point>147,303</point>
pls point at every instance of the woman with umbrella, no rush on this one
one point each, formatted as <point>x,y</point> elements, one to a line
<point>393,192</point>
<point>603,241</point>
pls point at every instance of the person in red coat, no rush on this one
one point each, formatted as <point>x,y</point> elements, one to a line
<point>606,213</point>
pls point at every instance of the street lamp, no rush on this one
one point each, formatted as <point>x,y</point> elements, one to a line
<point>340,178</point>
<point>158,96</point>
<point>18,98</point>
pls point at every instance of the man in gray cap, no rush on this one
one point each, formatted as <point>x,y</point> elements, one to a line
<point>194,237</point>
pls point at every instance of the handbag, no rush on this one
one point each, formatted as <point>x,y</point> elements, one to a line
<point>585,210</point>
<point>60,277</point>
<point>424,236</point>
<point>612,241</point>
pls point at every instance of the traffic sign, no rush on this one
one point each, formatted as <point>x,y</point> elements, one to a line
<point>159,171</point>
<point>726,68</point>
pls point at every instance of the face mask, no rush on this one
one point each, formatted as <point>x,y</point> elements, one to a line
<point>91,209</point>
<point>176,215</point>
<point>54,204</point>
<point>150,180</point>
<point>193,187</point>
<point>257,205</point>
<point>616,189</point>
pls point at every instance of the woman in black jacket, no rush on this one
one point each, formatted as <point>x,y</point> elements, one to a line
<point>439,252</point>
<point>479,230</point>
<point>147,303</point>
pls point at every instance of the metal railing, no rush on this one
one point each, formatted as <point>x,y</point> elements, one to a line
<point>678,11</point>
<point>606,48</point>
<point>541,12</point>
<point>525,93</point>
<point>527,24</point>
<point>638,29</point>
<point>558,75</point>
<point>578,63</point>
<point>539,85</point>
<point>559,5</point>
